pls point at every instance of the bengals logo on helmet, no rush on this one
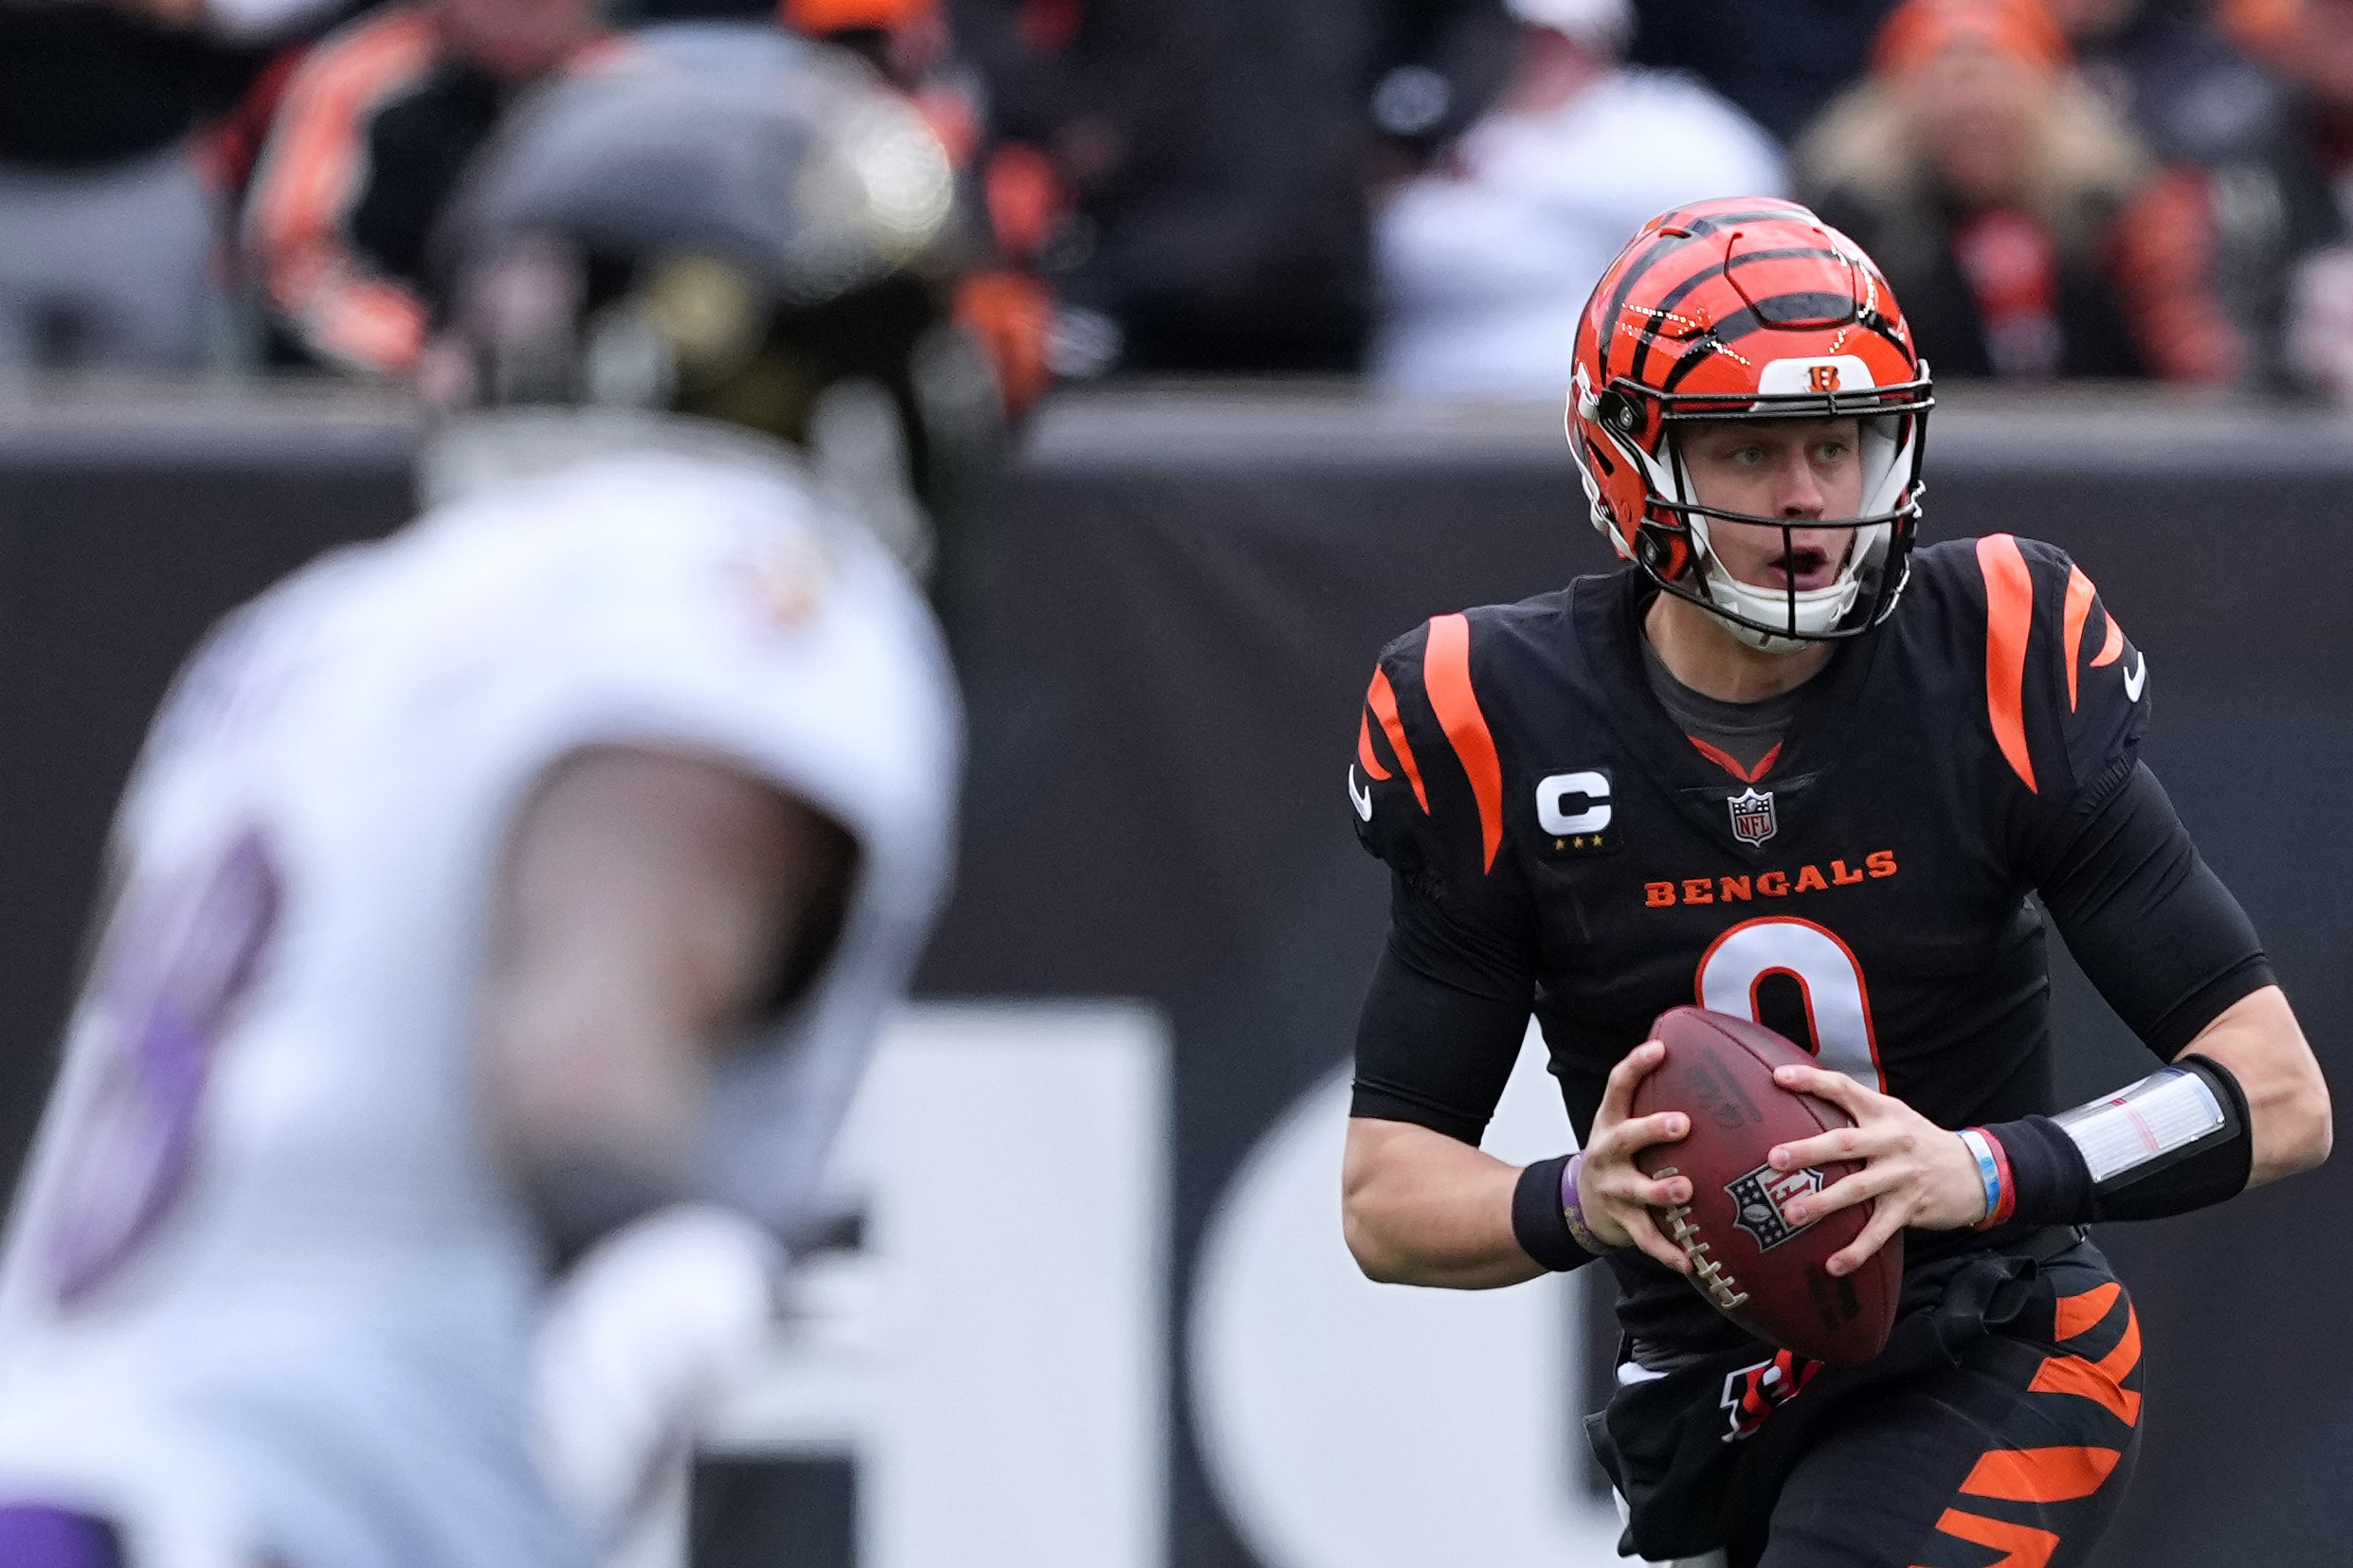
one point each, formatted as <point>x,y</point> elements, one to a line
<point>1746,308</point>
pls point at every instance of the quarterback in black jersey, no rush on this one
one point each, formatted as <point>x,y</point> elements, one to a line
<point>1786,767</point>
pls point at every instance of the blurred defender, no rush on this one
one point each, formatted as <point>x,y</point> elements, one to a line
<point>503,913</point>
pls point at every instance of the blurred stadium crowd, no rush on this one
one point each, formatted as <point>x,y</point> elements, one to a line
<point>1419,190</point>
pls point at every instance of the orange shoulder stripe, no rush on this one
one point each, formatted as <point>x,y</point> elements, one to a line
<point>2009,616</point>
<point>1446,676</point>
<point>2080,593</point>
<point>1382,699</point>
<point>1365,758</point>
<point>2113,649</point>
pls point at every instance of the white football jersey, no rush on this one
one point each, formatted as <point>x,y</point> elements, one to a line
<point>263,1291</point>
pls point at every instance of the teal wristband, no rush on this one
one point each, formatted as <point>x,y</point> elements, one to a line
<point>1989,1168</point>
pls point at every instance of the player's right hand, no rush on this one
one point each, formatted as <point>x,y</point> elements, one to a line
<point>1616,1198</point>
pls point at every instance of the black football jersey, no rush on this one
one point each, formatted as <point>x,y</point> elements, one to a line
<point>1556,836</point>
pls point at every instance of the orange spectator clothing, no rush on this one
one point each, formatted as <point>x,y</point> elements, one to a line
<point>312,173</point>
<point>315,171</point>
<point>1919,30</point>
<point>2164,263</point>
<point>1012,314</point>
<point>819,17</point>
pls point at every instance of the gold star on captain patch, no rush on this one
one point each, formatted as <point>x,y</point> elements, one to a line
<point>1584,843</point>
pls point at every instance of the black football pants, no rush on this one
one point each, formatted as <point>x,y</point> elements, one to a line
<point>2016,1458</point>
<point>1997,1429</point>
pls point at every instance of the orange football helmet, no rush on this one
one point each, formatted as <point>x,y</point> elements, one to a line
<point>1748,307</point>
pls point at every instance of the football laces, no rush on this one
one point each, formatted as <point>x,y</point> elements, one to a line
<point>1719,1286</point>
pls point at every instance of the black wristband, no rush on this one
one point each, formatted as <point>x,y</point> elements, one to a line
<point>2047,1172</point>
<point>1538,1222</point>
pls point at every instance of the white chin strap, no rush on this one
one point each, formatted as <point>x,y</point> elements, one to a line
<point>1817,610</point>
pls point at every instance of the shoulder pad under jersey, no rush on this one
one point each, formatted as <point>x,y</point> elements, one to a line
<point>1426,784</point>
<point>2066,693</point>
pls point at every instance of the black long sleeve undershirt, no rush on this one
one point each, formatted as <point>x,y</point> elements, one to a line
<point>2156,931</point>
<point>1431,1053</point>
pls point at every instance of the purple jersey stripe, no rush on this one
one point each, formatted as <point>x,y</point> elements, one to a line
<point>36,1536</point>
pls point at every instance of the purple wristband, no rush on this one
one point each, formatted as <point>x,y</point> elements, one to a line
<point>1572,1209</point>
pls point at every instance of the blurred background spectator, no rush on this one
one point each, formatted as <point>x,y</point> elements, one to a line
<point>2027,229</point>
<point>1778,60</point>
<point>111,189</point>
<point>2060,187</point>
<point>2303,179</point>
<point>375,126</point>
<point>1213,161</point>
<point>2197,99</point>
<point>905,40</point>
<point>1013,199</point>
<point>1485,260</point>
<point>2165,66</point>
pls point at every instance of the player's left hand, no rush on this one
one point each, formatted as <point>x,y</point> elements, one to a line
<point>1920,1174</point>
<point>635,1343</point>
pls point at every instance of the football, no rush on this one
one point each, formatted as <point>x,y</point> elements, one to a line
<point>1750,1264</point>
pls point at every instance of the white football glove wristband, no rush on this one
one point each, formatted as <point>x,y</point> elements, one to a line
<point>634,1344</point>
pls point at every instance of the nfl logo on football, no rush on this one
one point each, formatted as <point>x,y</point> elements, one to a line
<point>1762,1195</point>
<point>1752,815</point>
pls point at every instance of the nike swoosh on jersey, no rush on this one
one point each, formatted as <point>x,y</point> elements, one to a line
<point>2137,677</point>
<point>1362,802</point>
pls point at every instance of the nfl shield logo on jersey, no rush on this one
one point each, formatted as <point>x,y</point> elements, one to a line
<point>1752,815</point>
